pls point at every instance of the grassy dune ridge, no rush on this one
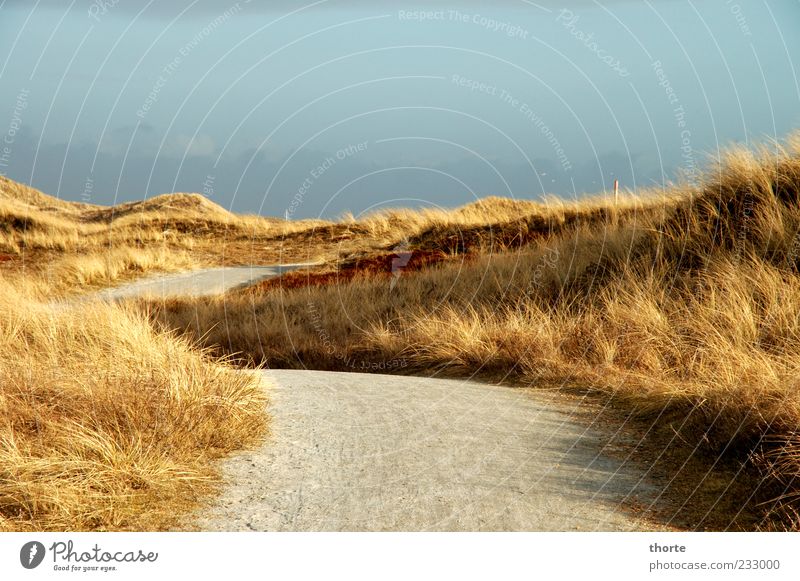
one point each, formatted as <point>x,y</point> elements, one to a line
<point>684,309</point>
<point>74,247</point>
<point>681,307</point>
<point>106,424</point>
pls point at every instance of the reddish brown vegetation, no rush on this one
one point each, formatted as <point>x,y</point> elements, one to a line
<point>384,265</point>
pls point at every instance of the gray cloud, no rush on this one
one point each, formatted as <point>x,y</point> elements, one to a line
<point>355,185</point>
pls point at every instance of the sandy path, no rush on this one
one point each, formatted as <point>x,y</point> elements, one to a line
<point>377,452</point>
<point>208,281</point>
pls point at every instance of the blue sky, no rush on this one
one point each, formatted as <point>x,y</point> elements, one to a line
<point>317,109</point>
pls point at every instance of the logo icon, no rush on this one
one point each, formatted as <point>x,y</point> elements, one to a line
<point>32,554</point>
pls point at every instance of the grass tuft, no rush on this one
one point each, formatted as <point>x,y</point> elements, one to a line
<point>106,424</point>
<point>683,309</point>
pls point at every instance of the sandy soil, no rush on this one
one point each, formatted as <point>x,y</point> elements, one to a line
<point>208,281</point>
<point>358,452</point>
<point>363,452</point>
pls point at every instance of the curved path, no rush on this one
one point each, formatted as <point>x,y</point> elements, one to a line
<point>358,452</point>
<point>196,283</point>
<point>366,452</point>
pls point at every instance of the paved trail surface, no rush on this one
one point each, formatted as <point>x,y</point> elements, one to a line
<point>357,452</point>
<point>377,452</point>
<point>196,283</point>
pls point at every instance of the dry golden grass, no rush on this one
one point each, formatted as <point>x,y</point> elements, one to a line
<point>106,424</point>
<point>684,308</point>
<point>79,246</point>
<point>32,221</point>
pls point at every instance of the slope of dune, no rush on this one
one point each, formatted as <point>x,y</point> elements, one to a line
<point>195,205</point>
<point>681,309</point>
<point>15,192</point>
